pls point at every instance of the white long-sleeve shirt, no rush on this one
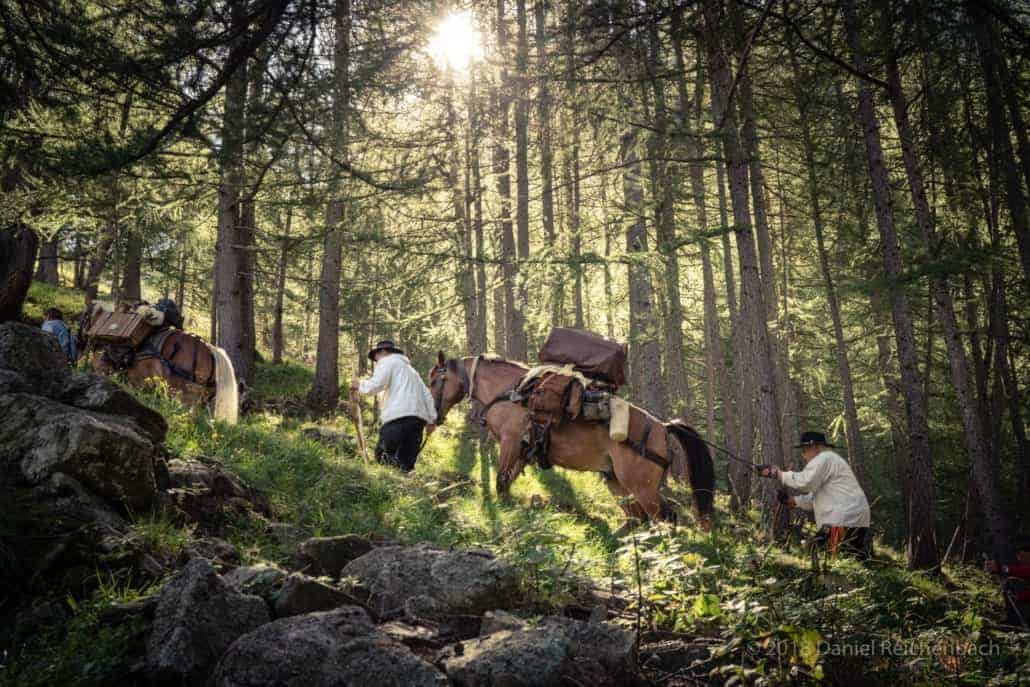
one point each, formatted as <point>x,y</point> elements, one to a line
<point>404,394</point>
<point>834,494</point>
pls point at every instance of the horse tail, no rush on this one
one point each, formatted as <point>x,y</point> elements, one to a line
<point>227,394</point>
<point>698,468</point>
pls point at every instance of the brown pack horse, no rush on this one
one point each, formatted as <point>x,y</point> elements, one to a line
<point>197,371</point>
<point>581,445</point>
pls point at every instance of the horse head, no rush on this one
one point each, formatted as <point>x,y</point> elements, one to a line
<point>448,383</point>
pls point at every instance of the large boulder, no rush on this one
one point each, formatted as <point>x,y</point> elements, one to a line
<point>466,582</point>
<point>198,616</point>
<point>531,657</point>
<point>103,452</point>
<point>328,555</point>
<point>29,350</point>
<point>209,495</point>
<point>339,648</point>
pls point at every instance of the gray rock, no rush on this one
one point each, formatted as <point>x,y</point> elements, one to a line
<point>534,657</point>
<point>302,594</point>
<point>606,643</point>
<point>495,621</point>
<point>458,581</point>
<point>198,616</point>
<point>328,555</point>
<point>339,648</point>
<point>29,349</point>
<point>258,580</point>
<point>103,452</point>
<point>218,551</point>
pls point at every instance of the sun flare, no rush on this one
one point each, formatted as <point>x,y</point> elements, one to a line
<point>456,42</point>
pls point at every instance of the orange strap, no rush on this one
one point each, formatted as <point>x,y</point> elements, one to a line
<point>836,536</point>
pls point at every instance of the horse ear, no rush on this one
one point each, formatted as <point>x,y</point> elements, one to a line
<point>440,358</point>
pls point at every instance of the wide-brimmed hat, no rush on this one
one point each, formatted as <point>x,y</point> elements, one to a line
<point>812,439</point>
<point>384,345</point>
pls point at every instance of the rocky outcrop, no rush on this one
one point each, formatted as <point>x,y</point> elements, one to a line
<point>328,555</point>
<point>424,579</point>
<point>54,421</point>
<point>258,580</point>
<point>331,649</point>
<point>198,616</point>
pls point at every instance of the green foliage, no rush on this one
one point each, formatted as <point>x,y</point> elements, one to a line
<point>42,296</point>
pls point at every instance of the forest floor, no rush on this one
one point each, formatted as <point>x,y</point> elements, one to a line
<point>723,607</point>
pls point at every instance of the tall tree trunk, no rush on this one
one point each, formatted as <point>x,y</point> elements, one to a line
<point>325,391</point>
<point>1005,159</point>
<point>18,246</point>
<point>546,152</point>
<point>518,343</point>
<point>278,342</point>
<point>973,431</point>
<point>47,264</point>
<point>922,539</point>
<point>461,204</point>
<point>664,181</point>
<point>645,355</point>
<point>502,172</point>
<point>482,305</point>
<point>132,271</point>
<point>229,258</point>
<point>571,169</point>
<point>757,367</point>
<point>852,430</point>
<point>718,384</point>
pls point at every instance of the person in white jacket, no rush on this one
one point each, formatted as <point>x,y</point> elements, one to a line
<point>406,406</point>
<point>831,492</point>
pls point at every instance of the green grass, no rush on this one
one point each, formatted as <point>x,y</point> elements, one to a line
<point>43,296</point>
<point>727,586</point>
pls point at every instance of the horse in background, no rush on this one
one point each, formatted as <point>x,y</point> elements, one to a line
<point>197,371</point>
<point>636,470</point>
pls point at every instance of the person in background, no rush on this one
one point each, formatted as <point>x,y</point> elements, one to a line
<point>407,406</point>
<point>53,323</point>
<point>832,492</point>
<point>1017,600</point>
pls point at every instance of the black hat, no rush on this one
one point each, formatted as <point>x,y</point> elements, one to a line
<point>813,438</point>
<point>384,345</point>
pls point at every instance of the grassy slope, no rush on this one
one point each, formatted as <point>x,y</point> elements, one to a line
<point>727,587</point>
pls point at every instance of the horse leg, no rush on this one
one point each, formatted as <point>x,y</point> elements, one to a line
<point>641,478</point>
<point>634,513</point>
<point>510,463</point>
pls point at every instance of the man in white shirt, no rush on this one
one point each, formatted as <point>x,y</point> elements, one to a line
<point>832,493</point>
<point>407,406</point>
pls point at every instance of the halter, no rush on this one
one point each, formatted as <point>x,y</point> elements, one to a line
<point>466,384</point>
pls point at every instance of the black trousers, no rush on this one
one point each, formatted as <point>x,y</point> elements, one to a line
<point>400,441</point>
<point>851,541</point>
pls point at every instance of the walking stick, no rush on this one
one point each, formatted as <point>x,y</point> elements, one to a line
<point>359,425</point>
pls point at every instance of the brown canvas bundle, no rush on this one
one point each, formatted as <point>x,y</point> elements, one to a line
<point>120,329</point>
<point>590,354</point>
<point>554,397</point>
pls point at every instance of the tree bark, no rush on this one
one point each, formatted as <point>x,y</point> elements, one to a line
<point>482,304</point>
<point>502,164</point>
<point>132,271</point>
<point>18,246</point>
<point>757,367</point>
<point>325,391</point>
<point>546,152</point>
<point>518,343</point>
<point>664,182</point>
<point>48,265</point>
<point>278,342</point>
<point>922,539</point>
<point>229,259</point>
<point>1005,159</point>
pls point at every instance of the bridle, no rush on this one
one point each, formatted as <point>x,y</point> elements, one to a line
<point>467,383</point>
